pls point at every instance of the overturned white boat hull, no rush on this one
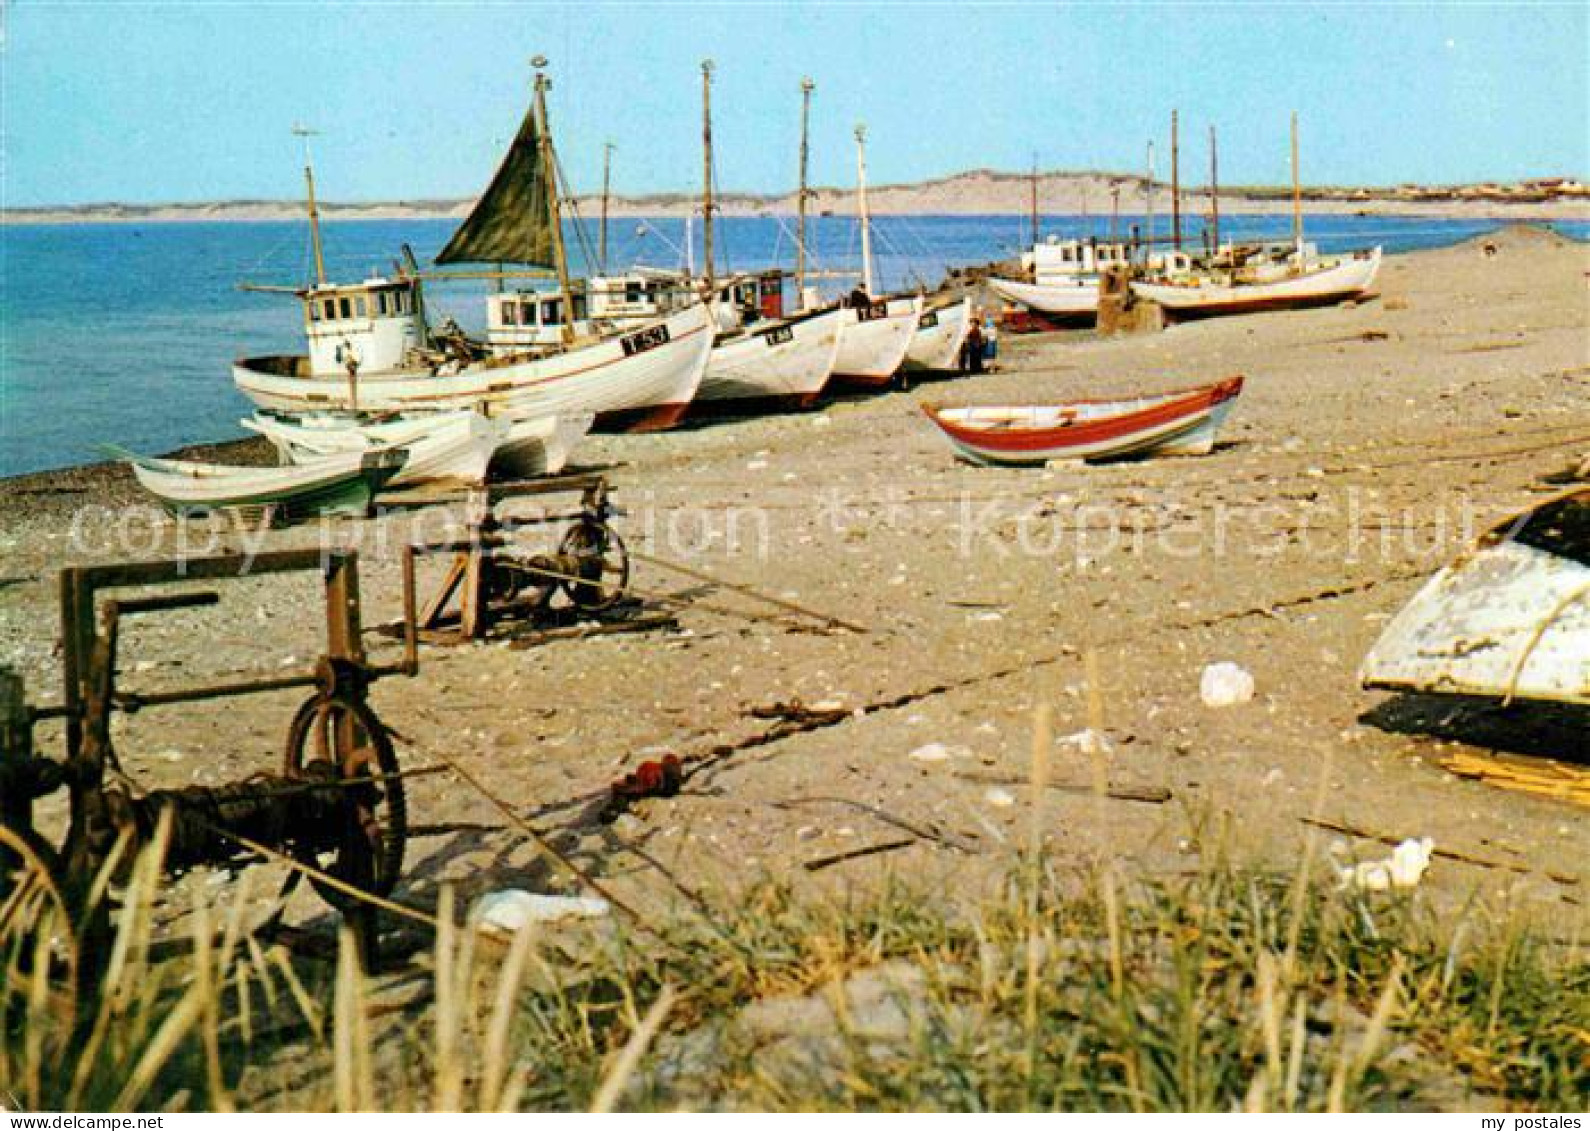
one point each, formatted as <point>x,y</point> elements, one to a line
<point>789,362</point>
<point>940,333</point>
<point>540,446</point>
<point>644,379</point>
<point>1508,619</point>
<point>874,340</point>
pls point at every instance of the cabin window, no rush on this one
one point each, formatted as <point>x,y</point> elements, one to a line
<point>510,313</point>
<point>527,314</point>
<point>359,306</point>
<point>331,309</point>
<point>314,311</point>
<point>634,292</point>
<point>344,307</point>
<point>552,313</point>
<point>380,303</point>
<point>579,308</point>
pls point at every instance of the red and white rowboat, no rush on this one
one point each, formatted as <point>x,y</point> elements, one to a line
<point>1182,422</point>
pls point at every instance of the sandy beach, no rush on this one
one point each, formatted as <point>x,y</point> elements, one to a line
<point>1371,441</point>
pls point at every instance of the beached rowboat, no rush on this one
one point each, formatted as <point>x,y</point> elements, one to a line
<point>1508,619</point>
<point>1183,422</point>
<point>338,484</point>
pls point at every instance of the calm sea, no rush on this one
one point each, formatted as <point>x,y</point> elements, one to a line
<point>124,333</point>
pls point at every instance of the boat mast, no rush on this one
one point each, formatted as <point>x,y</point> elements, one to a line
<point>706,176</point>
<point>1148,248</point>
<point>1175,182</point>
<point>549,170</point>
<point>1034,200</point>
<point>303,131</point>
<point>1297,194</point>
<point>807,86</point>
<point>607,169</point>
<point>1214,190</point>
<point>861,207</point>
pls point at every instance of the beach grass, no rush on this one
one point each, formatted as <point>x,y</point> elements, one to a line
<point>1223,988</point>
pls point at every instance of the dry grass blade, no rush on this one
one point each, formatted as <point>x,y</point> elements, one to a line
<point>617,1078</point>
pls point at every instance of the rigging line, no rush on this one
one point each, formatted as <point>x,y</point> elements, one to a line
<point>581,236</point>
<point>910,263</point>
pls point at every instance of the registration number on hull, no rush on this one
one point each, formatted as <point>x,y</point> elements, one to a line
<point>928,320</point>
<point>872,312</point>
<point>779,335</point>
<point>648,339</point>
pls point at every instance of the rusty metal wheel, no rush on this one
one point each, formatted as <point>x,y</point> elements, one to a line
<point>338,739</point>
<point>603,565</point>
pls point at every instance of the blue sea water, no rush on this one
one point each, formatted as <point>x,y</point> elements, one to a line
<point>124,333</point>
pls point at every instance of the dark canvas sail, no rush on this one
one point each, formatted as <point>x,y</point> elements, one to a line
<point>510,222</point>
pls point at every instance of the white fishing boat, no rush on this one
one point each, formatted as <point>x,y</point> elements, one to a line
<point>370,349</point>
<point>1509,619</point>
<point>785,363</point>
<point>1307,279</point>
<point>940,333</point>
<point>1062,277</point>
<point>344,483</point>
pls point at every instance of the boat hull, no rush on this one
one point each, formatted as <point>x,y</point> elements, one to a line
<point>345,483</point>
<point>540,446</point>
<point>1508,619</point>
<point>641,380</point>
<point>1347,279</point>
<point>936,345</point>
<point>1070,302</point>
<point>787,363</point>
<point>874,340</point>
<point>1184,422</point>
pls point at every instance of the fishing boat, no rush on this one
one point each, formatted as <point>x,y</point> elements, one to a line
<point>371,349</point>
<point>1509,619</point>
<point>877,332</point>
<point>762,360</point>
<point>460,447</point>
<point>784,363</point>
<point>1183,422</point>
<point>1239,280</point>
<point>940,332</point>
<point>1305,279</point>
<point>1062,278</point>
<point>345,483</point>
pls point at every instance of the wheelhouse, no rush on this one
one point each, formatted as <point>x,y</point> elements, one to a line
<point>366,327</point>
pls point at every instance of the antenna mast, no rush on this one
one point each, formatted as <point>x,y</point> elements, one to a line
<point>807,86</point>
<point>303,131</point>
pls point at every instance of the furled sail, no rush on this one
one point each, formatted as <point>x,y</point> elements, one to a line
<point>511,222</point>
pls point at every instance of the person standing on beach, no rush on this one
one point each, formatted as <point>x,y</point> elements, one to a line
<point>972,349</point>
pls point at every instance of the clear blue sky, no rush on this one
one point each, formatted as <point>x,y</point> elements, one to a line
<point>147,102</point>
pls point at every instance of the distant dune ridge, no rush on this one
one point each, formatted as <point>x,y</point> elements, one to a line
<point>974,192</point>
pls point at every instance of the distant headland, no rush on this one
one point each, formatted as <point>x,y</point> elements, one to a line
<point>974,192</point>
